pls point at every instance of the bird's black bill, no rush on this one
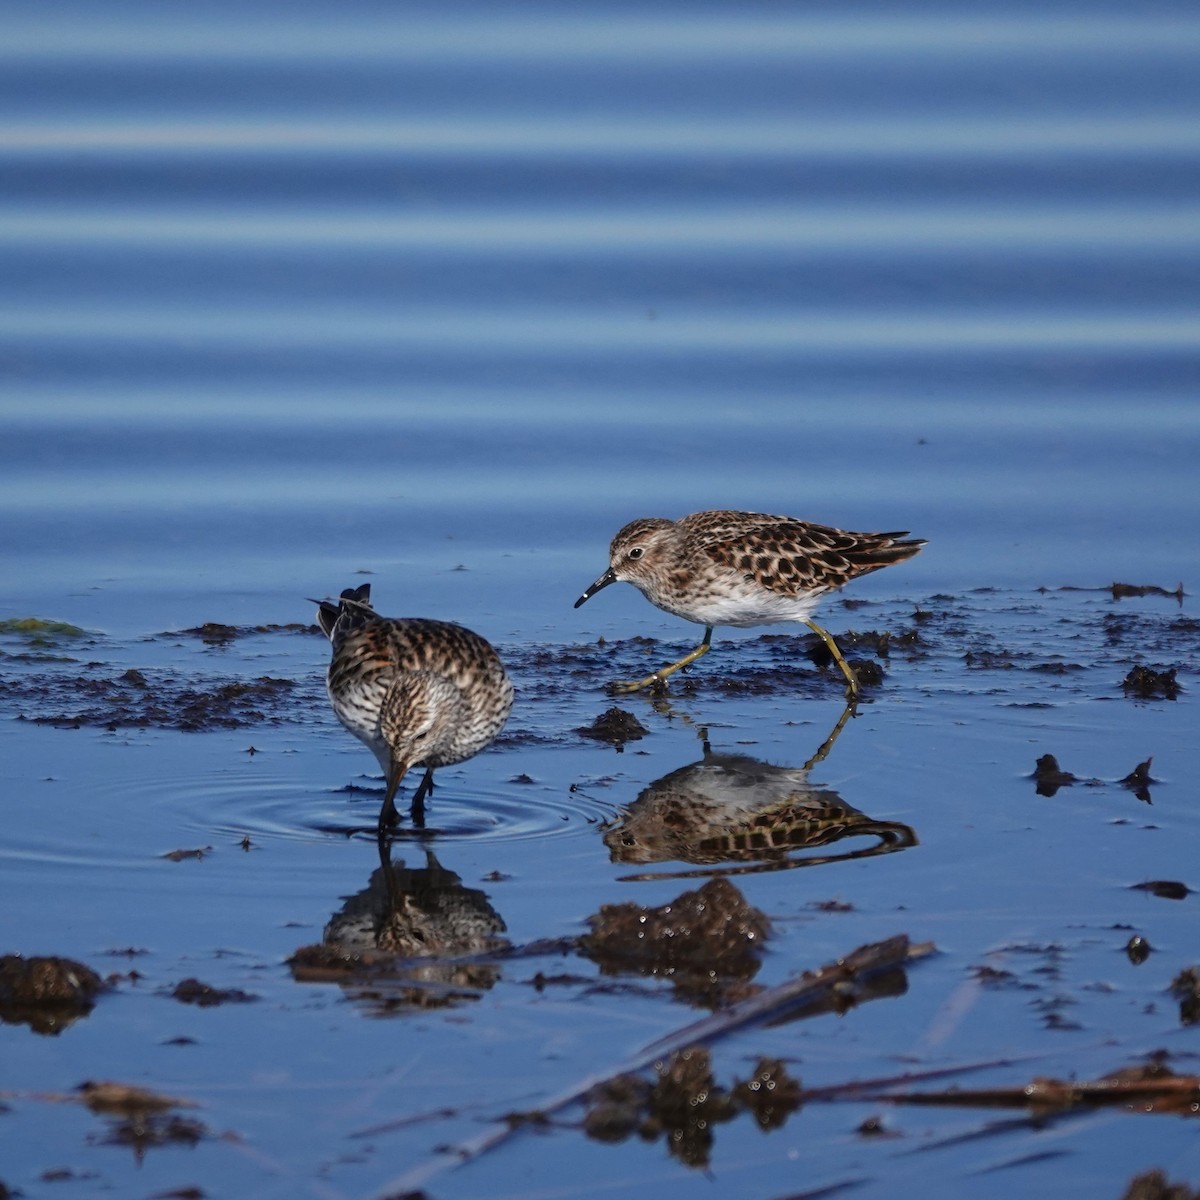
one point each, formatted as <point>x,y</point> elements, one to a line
<point>387,814</point>
<point>327,614</point>
<point>603,582</point>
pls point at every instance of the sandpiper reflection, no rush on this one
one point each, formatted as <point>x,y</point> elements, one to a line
<point>413,937</point>
<point>734,809</point>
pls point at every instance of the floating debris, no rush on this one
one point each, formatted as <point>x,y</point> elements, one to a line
<point>1153,1185</point>
<point>1138,781</point>
<point>1049,776</point>
<point>1167,889</point>
<point>873,1127</point>
<point>1138,949</point>
<point>142,1119</point>
<point>1146,1088</point>
<point>1185,987</point>
<point>682,1105</point>
<point>1124,591</point>
<point>192,991</point>
<point>771,1094</point>
<point>214,633</point>
<point>867,973</point>
<point>123,1099</point>
<point>184,855</point>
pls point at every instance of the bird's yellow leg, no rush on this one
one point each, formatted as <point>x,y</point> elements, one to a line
<point>847,669</point>
<point>824,748</point>
<point>637,685</point>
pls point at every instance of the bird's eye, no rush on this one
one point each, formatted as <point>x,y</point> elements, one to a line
<point>636,552</point>
<point>419,737</point>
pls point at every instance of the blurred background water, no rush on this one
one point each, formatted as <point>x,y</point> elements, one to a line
<point>290,291</point>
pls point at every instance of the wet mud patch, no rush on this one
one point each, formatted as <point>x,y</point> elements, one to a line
<point>168,682</point>
<point>46,992</point>
<point>1070,643</point>
<point>707,942</point>
<point>213,633</point>
<point>771,663</point>
<point>138,699</point>
<point>615,726</point>
<point>263,684</point>
<point>1145,683</point>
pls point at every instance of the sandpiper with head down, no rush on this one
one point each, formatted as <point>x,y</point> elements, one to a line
<point>417,692</point>
<point>743,569</point>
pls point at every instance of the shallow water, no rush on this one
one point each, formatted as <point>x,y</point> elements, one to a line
<point>293,298</point>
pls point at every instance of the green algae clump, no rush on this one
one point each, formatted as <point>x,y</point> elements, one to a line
<point>39,632</point>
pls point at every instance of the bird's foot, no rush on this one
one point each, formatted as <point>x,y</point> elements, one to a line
<point>653,683</point>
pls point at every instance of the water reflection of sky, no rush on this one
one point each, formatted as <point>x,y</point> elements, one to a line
<point>286,494</point>
<point>286,298</point>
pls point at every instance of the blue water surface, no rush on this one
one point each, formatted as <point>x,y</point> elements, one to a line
<point>294,295</point>
<point>294,292</point>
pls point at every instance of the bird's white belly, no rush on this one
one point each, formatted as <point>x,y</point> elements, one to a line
<point>368,733</point>
<point>758,608</point>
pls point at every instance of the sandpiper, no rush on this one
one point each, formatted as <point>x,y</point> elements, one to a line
<point>744,569</point>
<point>418,692</point>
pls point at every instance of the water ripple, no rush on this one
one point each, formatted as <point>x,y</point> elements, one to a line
<point>460,808</point>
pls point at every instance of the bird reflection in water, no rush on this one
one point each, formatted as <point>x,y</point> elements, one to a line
<point>415,937</point>
<point>738,810</point>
